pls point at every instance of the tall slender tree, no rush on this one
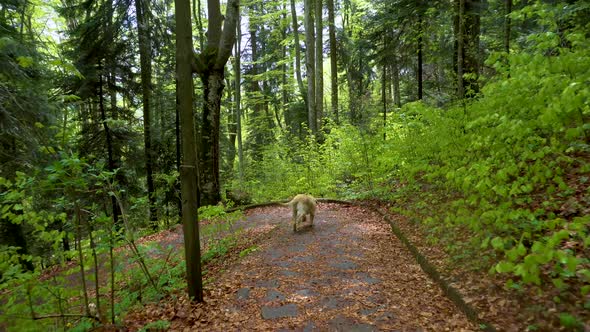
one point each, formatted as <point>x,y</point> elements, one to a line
<point>310,63</point>
<point>467,35</point>
<point>507,26</point>
<point>297,46</point>
<point>238,94</point>
<point>319,64</point>
<point>188,169</point>
<point>333,60</point>
<point>145,60</point>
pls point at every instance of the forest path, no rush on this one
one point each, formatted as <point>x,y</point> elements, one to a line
<point>346,273</point>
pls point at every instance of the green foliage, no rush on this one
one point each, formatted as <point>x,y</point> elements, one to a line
<point>248,250</point>
<point>219,228</point>
<point>512,166</point>
<point>508,171</point>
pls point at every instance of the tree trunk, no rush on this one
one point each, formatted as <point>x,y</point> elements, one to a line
<point>177,185</point>
<point>238,93</point>
<point>146,86</point>
<point>396,90</point>
<point>507,26</point>
<point>319,64</point>
<point>284,76</point>
<point>302,89</point>
<point>109,143</point>
<point>460,49</point>
<point>333,60</point>
<point>467,30</point>
<point>310,65</point>
<point>188,169</point>
<point>384,98</point>
<point>198,19</point>
<point>210,64</point>
<point>231,129</point>
<point>420,46</point>
<point>209,145</point>
<point>472,23</point>
<point>257,121</point>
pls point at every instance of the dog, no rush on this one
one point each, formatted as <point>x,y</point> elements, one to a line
<point>302,205</point>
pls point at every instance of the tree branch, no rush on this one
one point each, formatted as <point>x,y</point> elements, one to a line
<point>228,37</point>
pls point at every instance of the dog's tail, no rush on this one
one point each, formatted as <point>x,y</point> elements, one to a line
<point>288,204</point>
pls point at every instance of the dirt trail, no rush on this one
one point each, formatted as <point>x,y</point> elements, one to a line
<point>346,273</point>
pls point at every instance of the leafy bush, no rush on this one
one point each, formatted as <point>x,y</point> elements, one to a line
<point>510,167</point>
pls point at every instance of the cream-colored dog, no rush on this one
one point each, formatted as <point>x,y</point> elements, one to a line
<point>302,205</point>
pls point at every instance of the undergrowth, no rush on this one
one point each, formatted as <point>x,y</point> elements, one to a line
<point>51,299</point>
<point>500,180</point>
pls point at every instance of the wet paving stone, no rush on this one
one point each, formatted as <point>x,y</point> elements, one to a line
<point>366,278</point>
<point>306,292</point>
<point>267,283</point>
<point>285,264</point>
<point>288,273</point>
<point>273,295</point>
<point>300,247</point>
<point>288,310</point>
<point>304,259</point>
<point>243,293</point>
<point>344,265</point>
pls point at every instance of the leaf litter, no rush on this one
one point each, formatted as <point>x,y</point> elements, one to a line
<point>347,272</point>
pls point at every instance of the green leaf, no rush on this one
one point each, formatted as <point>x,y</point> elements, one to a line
<point>498,243</point>
<point>504,267</point>
<point>569,321</point>
<point>25,61</point>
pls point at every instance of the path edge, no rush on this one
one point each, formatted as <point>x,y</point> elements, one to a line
<point>449,291</point>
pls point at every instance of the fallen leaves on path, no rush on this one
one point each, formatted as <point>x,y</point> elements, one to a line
<point>347,272</point>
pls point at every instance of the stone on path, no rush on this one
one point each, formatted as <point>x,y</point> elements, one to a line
<point>243,293</point>
<point>273,295</point>
<point>267,283</point>
<point>288,310</point>
<point>344,265</point>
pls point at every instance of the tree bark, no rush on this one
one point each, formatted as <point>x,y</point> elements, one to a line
<point>333,60</point>
<point>384,98</point>
<point>507,26</point>
<point>146,86</point>
<point>284,75</point>
<point>420,46</point>
<point>209,146</point>
<point>210,64</point>
<point>472,23</point>
<point>109,143</point>
<point>238,93</point>
<point>310,65</point>
<point>467,30</point>
<point>460,49</point>
<point>319,64</point>
<point>396,90</point>
<point>188,169</point>
<point>231,128</point>
<point>257,119</point>
<point>302,89</point>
